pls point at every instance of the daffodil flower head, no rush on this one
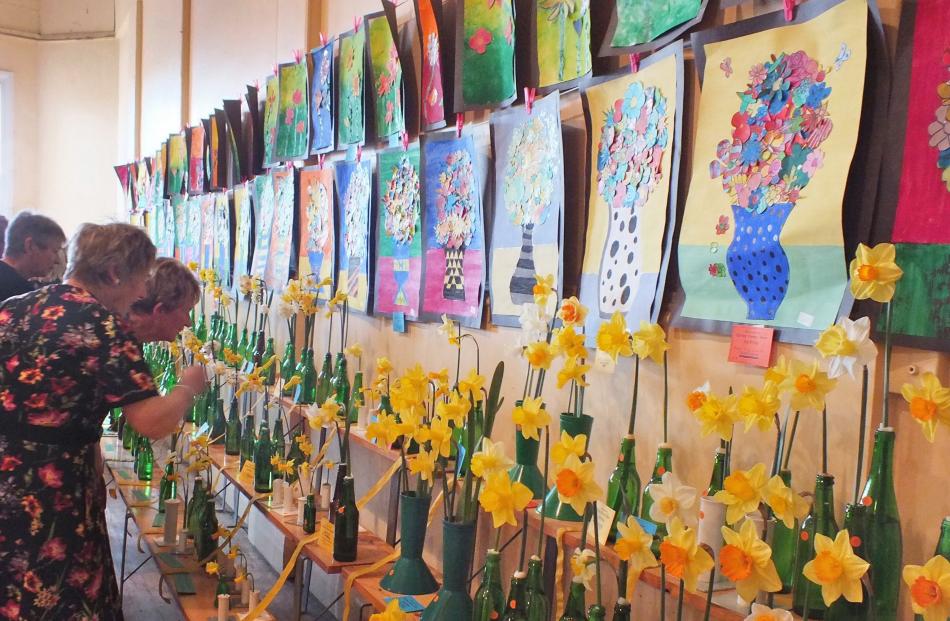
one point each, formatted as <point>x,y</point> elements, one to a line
<point>383,366</point>
<point>539,355</point>
<point>490,459</point>
<point>543,288</point>
<point>569,445</point>
<point>807,385</point>
<point>472,385</point>
<point>449,330</point>
<point>845,345</point>
<point>758,406</point>
<point>697,397</point>
<point>575,484</point>
<point>613,337</point>
<point>355,350</point>
<point>786,505</point>
<point>423,464</point>
<point>718,415</point>
<point>568,342</point>
<point>746,561</point>
<point>929,587</point>
<point>929,403</point>
<point>836,568</point>
<point>874,272</point>
<point>633,545</point>
<point>764,613</point>
<point>672,500</point>
<point>212,568</point>
<point>650,342</point>
<point>530,417</point>
<point>572,371</point>
<point>681,555</point>
<point>455,409</point>
<point>584,567</point>
<point>392,612</point>
<point>742,492</point>
<point>572,312</point>
<point>503,499</point>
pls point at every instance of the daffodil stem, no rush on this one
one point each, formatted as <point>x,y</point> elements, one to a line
<point>888,313</point>
<point>593,511</point>
<point>497,538</point>
<point>636,390</point>
<point>524,538</point>
<point>547,463</point>
<point>862,426</point>
<point>662,592</point>
<point>623,570</point>
<point>666,399</point>
<point>824,439</point>
<point>791,441</point>
<point>679,601</point>
<point>709,593</point>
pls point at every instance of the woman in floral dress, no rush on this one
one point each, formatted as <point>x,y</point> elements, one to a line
<point>65,361</point>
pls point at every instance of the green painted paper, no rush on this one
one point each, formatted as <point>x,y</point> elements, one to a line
<point>387,78</point>
<point>641,21</point>
<point>293,126</point>
<point>350,125</point>
<point>271,89</point>
<point>563,47</point>
<point>922,297</point>
<point>488,52</point>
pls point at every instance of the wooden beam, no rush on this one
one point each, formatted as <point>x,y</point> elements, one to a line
<point>137,120</point>
<point>185,61</point>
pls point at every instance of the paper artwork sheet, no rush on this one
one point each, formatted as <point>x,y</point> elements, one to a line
<point>223,238</point>
<point>354,191</point>
<point>293,112</point>
<point>196,159</point>
<point>635,22</point>
<point>486,50</point>
<point>321,99</point>
<point>206,251</point>
<point>433,90</point>
<point>263,199</point>
<point>244,230</point>
<point>179,211</point>
<point>350,119</point>
<point>271,109</point>
<point>561,41</point>
<point>280,262</point>
<point>317,217</point>
<point>191,245</point>
<point>385,78</point>
<point>177,164</point>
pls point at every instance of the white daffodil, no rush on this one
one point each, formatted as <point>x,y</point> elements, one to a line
<point>846,345</point>
<point>672,499</point>
<point>764,613</point>
<point>285,309</point>
<point>584,567</point>
<point>534,324</point>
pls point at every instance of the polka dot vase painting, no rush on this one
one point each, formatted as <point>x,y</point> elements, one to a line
<point>761,240</point>
<point>633,121</point>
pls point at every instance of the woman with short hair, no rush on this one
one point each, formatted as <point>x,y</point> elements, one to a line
<point>170,295</point>
<point>66,359</point>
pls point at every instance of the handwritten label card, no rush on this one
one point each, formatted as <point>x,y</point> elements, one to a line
<point>751,345</point>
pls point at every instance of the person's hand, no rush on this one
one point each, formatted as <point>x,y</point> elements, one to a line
<point>193,378</point>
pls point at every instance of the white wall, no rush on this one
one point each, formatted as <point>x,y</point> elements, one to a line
<point>161,72</point>
<point>18,57</point>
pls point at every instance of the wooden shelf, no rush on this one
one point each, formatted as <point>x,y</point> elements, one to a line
<point>369,590</point>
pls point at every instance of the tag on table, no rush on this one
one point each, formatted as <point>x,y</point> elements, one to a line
<point>647,526</point>
<point>399,322</point>
<point>247,473</point>
<point>407,603</point>
<point>605,519</point>
<point>325,540</point>
<point>200,431</point>
<point>751,345</point>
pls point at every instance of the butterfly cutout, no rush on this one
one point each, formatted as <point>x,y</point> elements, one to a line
<point>843,55</point>
<point>726,66</point>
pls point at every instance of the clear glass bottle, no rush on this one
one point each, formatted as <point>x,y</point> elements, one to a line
<point>490,597</point>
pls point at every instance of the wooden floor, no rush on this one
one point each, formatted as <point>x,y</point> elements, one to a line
<point>141,600</point>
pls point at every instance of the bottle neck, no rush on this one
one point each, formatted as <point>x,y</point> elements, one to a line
<point>824,495</point>
<point>943,544</point>
<point>664,462</point>
<point>716,480</point>
<point>627,452</point>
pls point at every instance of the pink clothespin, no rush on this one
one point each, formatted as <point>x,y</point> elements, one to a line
<point>257,84</point>
<point>321,159</point>
<point>323,39</point>
<point>789,10</point>
<point>357,22</point>
<point>634,63</point>
<point>405,141</point>
<point>298,54</point>
<point>359,153</point>
<point>276,68</point>
<point>529,95</point>
<point>459,122</point>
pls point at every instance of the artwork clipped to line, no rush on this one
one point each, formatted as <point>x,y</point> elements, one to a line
<point>485,54</point>
<point>638,26</point>
<point>271,107</point>
<point>196,159</point>
<point>237,153</point>
<point>216,157</point>
<point>293,112</point>
<point>226,153</point>
<point>164,229</point>
<point>354,190</point>
<point>263,200</point>
<point>124,173</point>
<point>350,118</point>
<point>142,186</point>
<point>529,204</point>
<point>453,229</point>
<point>191,244</point>
<point>223,238</point>
<point>179,209</point>
<point>635,123</point>
<point>243,230</point>
<point>398,274</point>
<point>761,239</point>
<point>560,42</point>
<point>280,263</point>
<point>159,170</point>
<point>428,18</point>
<point>252,112</point>
<point>316,218</point>
<point>385,78</point>
<point>321,99</point>
<point>177,164</point>
<point>917,181</point>
<point>206,249</point>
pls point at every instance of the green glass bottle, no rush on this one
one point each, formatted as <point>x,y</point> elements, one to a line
<point>623,486</point>
<point>536,603</point>
<point>248,440</point>
<point>231,340</point>
<point>855,522</point>
<point>718,477</point>
<point>574,608</point>
<point>278,447</point>
<point>307,390</point>
<point>223,588</point>
<point>596,613</point>
<point>322,382</point>
<point>263,470</point>
<point>341,472</point>
<point>136,445</point>
<point>195,508</point>
<point>621,610</point>
<point>287,365</point>
<point>942,549</point>
<point>515,608</point>
<point>296,456</point>
<point>258,352</point>
<point>169,380</point>
<point>168,488</point>
<point>489,599</point>
<point>241,348</point>
<point>145,460</point>
<point>821,519</point>
<point>664,464</point>
<point>220,425</point>
<point>784,543</point>
<point>340,384</point>
<point>201,328</point>
<point>270,376</point>
<point>310,515</point>
<point>883,535</point>
<point>128,434</point>
<point>206,542</point>
<point>357,400</point>
<point>346,527</point>
<point>232,433</point>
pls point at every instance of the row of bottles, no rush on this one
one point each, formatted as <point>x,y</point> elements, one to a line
<point>526,599</point>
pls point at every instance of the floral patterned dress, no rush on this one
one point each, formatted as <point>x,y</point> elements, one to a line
<point>65,361</point>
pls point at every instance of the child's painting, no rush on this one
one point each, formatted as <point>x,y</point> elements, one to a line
<point>168,230</point>
<point>206,254</point>
<point>191,245</point>
<point>761,239</point>
<point>216,155</point>
<point>253,124</point>
<point>159,170</point>
<point>179,212</point>
<point>428,13</point>
<point>644,25</point>
<point>321,99</point>
<point>157,230</point>
<point>385,78</point>
<point>280,263</point>
<point>634,120</point>
<point>561,42</point>
<point>350,120</point>
<point>453,229</point>
<point>354,190</point>
<point>196,159</point>
<point>398,275</point>
<point>263,197</point>
<point>243,230</point>
<point>177,164</point>
<point>293,112</point>
<point>485,67</point>
<point>234,130</point>
<point>529,199</point>
<point>223,238</point>
<point>271,106</point>
<point>316,216</point>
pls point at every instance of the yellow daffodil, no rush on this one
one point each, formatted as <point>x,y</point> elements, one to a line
<point>245,285</point>
<point>326,282</point>
<point>233,552</point>
<point>385,430</point>
<point>193,266</point>
<point>539,354</point>
<point>930,588</point>
<point>275,460</point>
<point>530,417</point>
<point>231,358</point>
<point>874,273</point>
<point>383,366</point>
<point>305,469</point>
<point>323,415</point>
<point>758,406</point>
<point>252,383</point>
<point>633,545</point>
<point>455,409</point>
<point>449,330</point>
<point>490,459</point>
<point>672,500</point>
<point>472,385</point>
<point>572,312</point>
<point>613,338</point>
<point>682,557</point>
<point>303,442</point>
<point>807,385</point>
<point>240,577</point>
<point>355,350</point>
<point>784,502</point>
<point>543,288</point>
<point>568,342</point>
<point>584,567</point>
<point>392,612</point>
<point>650,342</point>
<point>836,568</point>
<point>575,484</point>
<point>778,372</point>
<point>503,498</point>
<point>201,442</point>
<point>742,492</point>
<point>212,568</point>
<point>929,403</point>
<point>746,561</point>
<point>423,464</point>
<point>292,382</point>
<point>764,613</point>
<point>572,371</point>
<point>718,415</point>
<point>568,445</point>
<point>268,363</point>
<point>440,436</point>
